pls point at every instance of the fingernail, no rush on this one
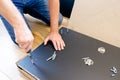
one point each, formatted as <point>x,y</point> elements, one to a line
<point>59,49</point>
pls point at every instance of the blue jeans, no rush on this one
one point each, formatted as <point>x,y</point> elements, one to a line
<point>35,8</point>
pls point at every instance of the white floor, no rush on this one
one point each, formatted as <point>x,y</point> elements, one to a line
<point>9,55</point>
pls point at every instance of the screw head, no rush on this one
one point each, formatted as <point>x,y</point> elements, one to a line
<point>101,50</point>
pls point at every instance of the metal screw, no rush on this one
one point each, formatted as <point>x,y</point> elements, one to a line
<point>101,50</point>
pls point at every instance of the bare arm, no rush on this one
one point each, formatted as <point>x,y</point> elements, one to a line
<point>23,35</point>
<point>54,35</point>
<point>10,12</point>
<point>54,14</point>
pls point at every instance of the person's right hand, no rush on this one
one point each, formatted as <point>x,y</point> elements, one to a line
<point>24,38</point>
<point>23,35</point>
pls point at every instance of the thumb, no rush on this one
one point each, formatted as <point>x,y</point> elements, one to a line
<point>46,40</point>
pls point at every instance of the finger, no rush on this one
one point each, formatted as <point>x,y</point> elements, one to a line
<point>58,45</point>
<point>46,40</point>
<point>21,45</point>
<point>29,47</point>
<point>55,45</point>
<point>25,45</point>
<point>62,45</point>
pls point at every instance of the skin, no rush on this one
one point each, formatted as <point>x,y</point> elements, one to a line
<point>54,36</point>
<point>23,35</point>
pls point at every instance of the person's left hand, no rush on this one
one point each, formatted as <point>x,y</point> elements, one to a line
<point>56,39</point>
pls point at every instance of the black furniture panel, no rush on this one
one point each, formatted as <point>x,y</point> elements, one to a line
<point>69,63</point>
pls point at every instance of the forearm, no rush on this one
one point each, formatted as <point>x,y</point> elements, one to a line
<point>54,14</point>
<point>10,12</point>
<point>54,36</point>
<point>23,35</point>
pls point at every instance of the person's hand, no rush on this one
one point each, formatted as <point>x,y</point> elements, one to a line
<point>56,39</point>
<point>24,38</point>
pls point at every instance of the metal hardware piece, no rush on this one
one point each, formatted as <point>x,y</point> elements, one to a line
<point>101,50</point>
<point>52,57</point>
<point>88,61</point>
<point>114,71</point>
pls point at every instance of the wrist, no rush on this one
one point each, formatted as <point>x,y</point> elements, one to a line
<point>54,29</point>
<point>19,25</point>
